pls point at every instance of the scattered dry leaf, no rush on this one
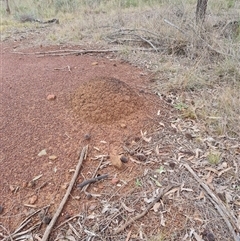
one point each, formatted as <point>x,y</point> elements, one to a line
<point>162,222</point>
<point>33,199</point>
<point>156,207</point>
<point>65,185</point>
<point>130,210</point>
<point>51,97</point>
<point>53,157</point>
<point>37,177</point>
<point>197,237</point>
<point>12,188</point>
<point>115,181</point>
<point>223,171</point>
<point>144,137</point>
<point>42,153</point>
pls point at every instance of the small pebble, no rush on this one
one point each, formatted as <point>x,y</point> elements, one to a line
<point>1,209</point>
<point>46,220</point>
<point>124,159</point>
<point>87,137</point>
<point>122,125</point>
<point>33,199</point>
<point>141,157</point>
<point>172,165</point>
<point>51,97</point>
<point>115,181</point>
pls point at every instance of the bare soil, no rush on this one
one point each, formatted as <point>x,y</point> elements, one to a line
<point>107,104</point>
<point>97,97</point>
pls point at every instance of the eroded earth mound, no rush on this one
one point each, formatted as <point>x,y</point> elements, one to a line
<point>105,100</point>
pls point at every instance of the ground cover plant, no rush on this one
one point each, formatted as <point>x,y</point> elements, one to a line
<point>184,178</point>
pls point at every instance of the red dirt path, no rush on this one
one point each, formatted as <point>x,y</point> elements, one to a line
<point>30,123</point>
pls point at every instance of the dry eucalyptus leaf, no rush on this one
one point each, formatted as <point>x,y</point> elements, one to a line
<point>148,200</point>
<point>53,157</point>
<point>42,153</point>
<point>162,222</point>
<point>197,237</point>
<point>145,138</point>
<point>228,196</point>
<point>156,207</point>
<point>223,171</point>
<point>70,238</point>
<point>37,177</point>
<point>130,210</point>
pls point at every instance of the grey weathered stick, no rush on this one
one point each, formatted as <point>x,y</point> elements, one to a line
<point>160,195</point>
<point>64,200</point>
<point>94,174</point>
<point>217,203</point>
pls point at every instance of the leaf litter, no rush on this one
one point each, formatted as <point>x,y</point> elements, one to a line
<point>186,202</point>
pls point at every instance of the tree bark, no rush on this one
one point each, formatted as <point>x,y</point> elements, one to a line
<point>7,7</point>
<point>201,11</point>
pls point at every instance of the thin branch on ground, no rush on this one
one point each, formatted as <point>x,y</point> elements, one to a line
<point>136,30</point>
<point>160,195</point>
<point>175,26</point>
<point>147,41</point>
<point>218,204</point>
<point>65,198</point>
<point>85,184</point>
<point>66,221</point>
<point>82,52</point>
<point>17,235</point>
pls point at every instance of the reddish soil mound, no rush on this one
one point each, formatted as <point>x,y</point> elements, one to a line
<point>40,99</point>
<point>105,100</point>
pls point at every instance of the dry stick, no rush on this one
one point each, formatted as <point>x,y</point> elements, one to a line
<point>160,195</point>
<point>79,52</point>
<point>6,237</point>
<point>66,221</point>
<point>64,200</point>
<point>129,235</point>
<point>87,182</point>
<point>26,231</point>
<point>217,203</point>
<point>173,25</point>
<point>94,174</point>
<point>147,41</point>
<point>143,39</point>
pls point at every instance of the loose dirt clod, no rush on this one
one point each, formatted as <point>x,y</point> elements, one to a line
<point>105,100</point>
<point>51,97</point>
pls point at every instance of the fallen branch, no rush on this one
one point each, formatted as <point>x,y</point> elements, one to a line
<point>23,224</point>
<point>64,200</point>
<point>66,221</point>
<point>218,205</point>
<point>82,52</point>
<point>17,235</point>
<point>142,39</point>
<point>94,174</point>
<point>134,30</point>
<point>92,180</point>
<point>173,25</point>
<point>160,195</point>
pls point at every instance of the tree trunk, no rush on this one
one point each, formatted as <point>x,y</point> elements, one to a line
<point>7,7</point>
<point>201,11</point>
